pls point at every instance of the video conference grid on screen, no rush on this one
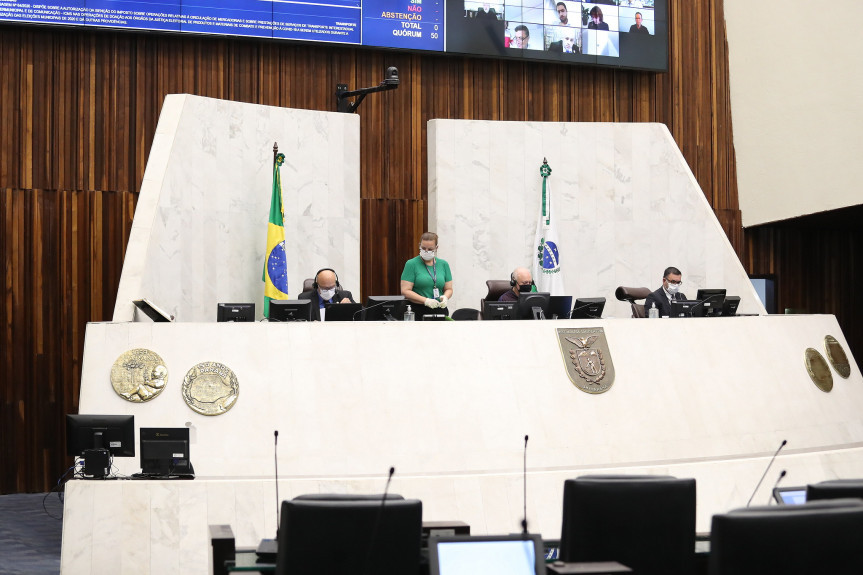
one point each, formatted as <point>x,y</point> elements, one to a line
<point>625,33</point>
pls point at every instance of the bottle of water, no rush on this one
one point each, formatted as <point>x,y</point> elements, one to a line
<point>409,314</point>
<point>653,312</point>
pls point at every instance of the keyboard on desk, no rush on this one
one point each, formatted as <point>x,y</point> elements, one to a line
<point>156,476</point>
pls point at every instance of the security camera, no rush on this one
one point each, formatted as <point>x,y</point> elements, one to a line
<point>392,77</point>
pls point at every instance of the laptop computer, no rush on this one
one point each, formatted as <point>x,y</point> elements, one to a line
<point>343,312</point>
<point>790,495</point>
<point>498,554</point>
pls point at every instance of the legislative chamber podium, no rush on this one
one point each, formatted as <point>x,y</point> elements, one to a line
<point>446,403</point>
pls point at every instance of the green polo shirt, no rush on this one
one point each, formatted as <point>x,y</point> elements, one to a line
<point>420,274</point>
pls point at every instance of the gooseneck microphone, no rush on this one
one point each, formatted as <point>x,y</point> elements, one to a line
<point>374,537</point>
<point>276,459</point>
<point>775,485</point>
<point>781,445</point>
<point>524,486</point>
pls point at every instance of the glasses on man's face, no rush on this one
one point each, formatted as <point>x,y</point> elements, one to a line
<point>674,282</point>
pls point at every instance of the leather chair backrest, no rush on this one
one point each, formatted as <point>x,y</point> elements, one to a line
<point>835,489</point>
<point>631,294</point>
<point>308,283</point>
<point>496,288</point>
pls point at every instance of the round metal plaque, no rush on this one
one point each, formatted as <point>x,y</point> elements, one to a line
<point>210,388</point>
<point>818,369</point>
<point>837,357</point>
<point>139,375</point>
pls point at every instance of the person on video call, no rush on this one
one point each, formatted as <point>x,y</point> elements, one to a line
<point>325,289</point>
<point>427,279</point>
<point>672,279</point>
<point>566,44</point>
<point>521,38</point>
<point>521,281</point>
<point>562,14</point>
<point>486,13</point>
<point>637,28</point>
<point>596,22</point>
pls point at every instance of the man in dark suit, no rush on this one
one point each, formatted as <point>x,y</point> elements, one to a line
<point>672,279</point>
<point>325,289</point>
<point>637,28</point>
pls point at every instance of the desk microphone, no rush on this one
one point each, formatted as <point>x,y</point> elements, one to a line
<point>276,460</point>
<point>524,485</point>
<point>781,445</point>
<point>374,537</point>
<point>775,485</point>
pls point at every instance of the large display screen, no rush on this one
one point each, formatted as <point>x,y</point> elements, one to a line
<point>625,33</point>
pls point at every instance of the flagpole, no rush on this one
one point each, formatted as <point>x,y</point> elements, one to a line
<point>275,151</point>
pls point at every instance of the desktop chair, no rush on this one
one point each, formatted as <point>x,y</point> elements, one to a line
<point>811,538</point>
<point>835,489</point>
<point>631,295</point>
<point>645,522</point>
<point>308,284</point>
<point>348,497</point>
<point>465,313</point>
<point>336,536</point>
<point>496,288</point>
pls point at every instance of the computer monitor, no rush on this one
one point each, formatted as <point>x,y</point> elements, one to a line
<point>560,306</point>
<point>385,308</point>
<point>588,308</point>
<point>534,305</point>
<point>500,310</point>
<point>711,300</point>
<point>343,312</point>
<point>686,308</point>
<point>790,495</point>
<point>729,308</point>
<point>235,312</point>
<point>97,438</point>
<point>498,554</point>
<point>165,451</point>
<point>290,310</point>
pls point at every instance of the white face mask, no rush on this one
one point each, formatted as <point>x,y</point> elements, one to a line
<point>673,288</point>
<point>328,294</point>
<point>427,255</point>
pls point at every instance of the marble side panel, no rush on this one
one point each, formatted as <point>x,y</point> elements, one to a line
<point>627,207</point>
<point>199,233</point>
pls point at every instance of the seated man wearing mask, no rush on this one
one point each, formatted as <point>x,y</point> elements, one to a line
<point>521,282</point>
<point>326,289</point>
<point>672,279</point>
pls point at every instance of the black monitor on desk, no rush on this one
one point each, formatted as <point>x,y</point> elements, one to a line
<point>711,302</point>
<point>241,312</point>
<point>498,554</point>
<point>685,308</point>
<point>291,310</point>
<point>385,308</point>
<point>499,310</point>
<point>343,312</point>
<point>97,438</point>
<point>560,306</point>
<point>165,451</point>
<point>588,308</point>
<point>534,305</point>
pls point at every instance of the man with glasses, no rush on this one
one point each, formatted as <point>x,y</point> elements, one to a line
<point>521,38</point>
<point>521,281</point>
<point>672,279</point>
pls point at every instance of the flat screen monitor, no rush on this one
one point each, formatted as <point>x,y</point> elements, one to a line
<point>560,306</point>
<point>235,312</point>
<point>534,305</point>
<point>343,311</point>
<point>711,300</point>
<point>588,308</point>
<point>498,554</point>
<point>604,33</point>
<point>97,438</point>
<point>385,308</point>
<point>729,308</point>
<point>291,310</point>
<point>165,451</point>
<point>686,308</point>
<point>500,310</point>
<point>790,495</point>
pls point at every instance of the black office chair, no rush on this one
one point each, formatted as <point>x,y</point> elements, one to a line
<point>808,539</point>
<point>337,536</point>
<point>835,489</point>
<point>465,313</point>
<point>645,522</point>
<point>348,497</point>
<point>496,288</point>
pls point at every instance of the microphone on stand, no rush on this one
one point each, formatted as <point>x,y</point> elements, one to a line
<point>524,485</point>
<point>269,548</point>
<point>374,537</point>
<point>775,485</point>
<point>781,445</point>
<point>276,458</point>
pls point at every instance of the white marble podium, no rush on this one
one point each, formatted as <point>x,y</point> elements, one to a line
<point>448,405</point>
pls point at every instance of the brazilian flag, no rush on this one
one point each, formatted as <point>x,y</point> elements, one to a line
<point>275,275</point>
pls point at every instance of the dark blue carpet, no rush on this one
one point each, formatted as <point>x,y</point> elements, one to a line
<point>30,537</point>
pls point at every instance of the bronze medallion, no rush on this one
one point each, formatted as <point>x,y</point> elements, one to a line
<point>818,369</point>
<point>210,388</point>
<point>587,358</point>
<point>837,357</point>
<point>139,375</point>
